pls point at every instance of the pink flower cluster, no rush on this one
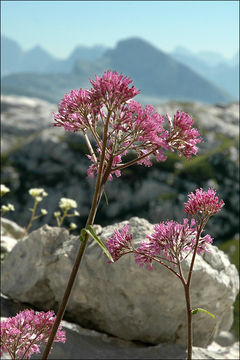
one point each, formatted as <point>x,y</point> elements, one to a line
<point>22,335</point>
<point>119,243</point>
<point>203,203</point>
<point>74,111</point>
<point>183,137</point>
<point>127,126</point>
<point>112,89</point>
<point>172,241</point>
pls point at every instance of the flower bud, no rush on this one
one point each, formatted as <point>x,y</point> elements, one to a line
<point>3,189</point>
<point>73,226</point>
<point>11,207</point>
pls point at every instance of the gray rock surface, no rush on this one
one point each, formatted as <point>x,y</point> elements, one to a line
<point>22,118</point>
<point>83,343</point>
<point>10,233</point>
<point>10,228</point>
<point>120,299</point>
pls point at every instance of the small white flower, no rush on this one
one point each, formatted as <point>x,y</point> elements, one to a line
<point>44,212</point>
<point>67,204</point>
<point>4,208</point>
<point>76,213</point>
<point>73,226</point>
<point>3,189</point>
<point>11,207</point>
<point>57,213</point>
<point>8,207</point>
<point>35,192</point>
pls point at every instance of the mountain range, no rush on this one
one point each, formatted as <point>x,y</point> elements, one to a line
<point>161,76</point>
<point>220,71</point>
<point>38,60</point>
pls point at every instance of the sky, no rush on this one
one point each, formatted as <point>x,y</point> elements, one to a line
<point>60,26</point>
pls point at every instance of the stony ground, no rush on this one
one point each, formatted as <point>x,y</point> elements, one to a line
<point>34,154</point>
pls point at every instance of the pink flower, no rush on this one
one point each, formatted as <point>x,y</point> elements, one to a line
<point>112,89</point>
<point>120,243</point>
<point>183,137</point>
<point>22,335</point>
<point>144,255</point>
<point>75,111</point>
<point>203,203</point>
<point>172,241</point>
<point>147,125</point>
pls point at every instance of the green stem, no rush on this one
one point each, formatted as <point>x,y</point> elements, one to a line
<point>32,217</point>
<point>62,218</point>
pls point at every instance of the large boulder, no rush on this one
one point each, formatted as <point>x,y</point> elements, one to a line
<point>120,299</point>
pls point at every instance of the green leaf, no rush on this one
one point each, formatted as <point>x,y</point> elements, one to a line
<point>106,198</point>
<point>195,311</point>
<point>89,230</point>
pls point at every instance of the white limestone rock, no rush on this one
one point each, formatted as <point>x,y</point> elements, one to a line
<point>10,233</point>
<point>120,299</point>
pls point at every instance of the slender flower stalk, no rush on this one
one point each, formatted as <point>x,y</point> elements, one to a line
<point>66,205</point>
<point>118,126</point>
<point>38,194</point>
<point>171,243</point>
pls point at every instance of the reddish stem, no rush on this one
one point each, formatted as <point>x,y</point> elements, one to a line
<point>96,199</point>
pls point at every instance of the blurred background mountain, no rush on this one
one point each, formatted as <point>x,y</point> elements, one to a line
<point>180,75</point>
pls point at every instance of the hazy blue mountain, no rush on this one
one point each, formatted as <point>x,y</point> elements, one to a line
<point>213,58</point>
<point>210,58</point>
<point>16,60</point>
<point>158,75</point>
<point>80,53</point>
<point>38,60</point>
<point>222,72</point>
<point>11,54</point>
<point>50,87</point>
<point>87,53</point>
